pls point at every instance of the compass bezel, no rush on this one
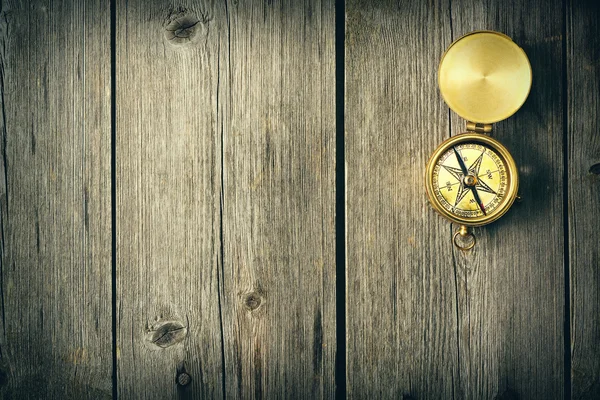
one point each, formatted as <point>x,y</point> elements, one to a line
<point>511,170</point>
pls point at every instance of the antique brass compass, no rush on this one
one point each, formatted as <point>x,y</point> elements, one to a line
<point>471,179</point>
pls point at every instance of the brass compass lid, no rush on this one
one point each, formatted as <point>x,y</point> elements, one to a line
<point>484,77</point>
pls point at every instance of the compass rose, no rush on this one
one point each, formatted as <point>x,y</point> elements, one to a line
<point>468,179</point>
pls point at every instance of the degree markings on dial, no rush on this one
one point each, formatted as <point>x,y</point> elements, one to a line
<point>487,173</point>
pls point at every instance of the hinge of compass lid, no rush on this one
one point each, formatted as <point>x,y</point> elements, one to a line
<point>479,128</point>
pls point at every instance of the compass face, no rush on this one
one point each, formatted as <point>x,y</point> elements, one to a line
<point>472,182</point>
<point>486,178</point>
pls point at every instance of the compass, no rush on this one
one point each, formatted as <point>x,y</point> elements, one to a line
<point>471,179</point>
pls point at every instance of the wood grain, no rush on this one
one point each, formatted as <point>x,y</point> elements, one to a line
<point>476,324</point>
<point>226,199</point>
<point>583,94</point>
<point>278,126</point>
<point>225,160</point>
<point>168,171</point>
<point>55,201</point>
<point>400,296</point>
<point>511,288</point>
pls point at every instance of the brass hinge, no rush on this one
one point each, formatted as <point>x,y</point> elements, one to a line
<point>479,128</point>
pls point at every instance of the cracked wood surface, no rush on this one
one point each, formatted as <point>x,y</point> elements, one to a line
<point>449,324</point>
<point>55,272</point>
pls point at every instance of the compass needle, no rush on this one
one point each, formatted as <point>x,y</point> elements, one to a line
<point>478,200</point>
<point>463,167</point>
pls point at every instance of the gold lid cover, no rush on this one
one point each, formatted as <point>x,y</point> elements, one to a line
<point>484,77</point>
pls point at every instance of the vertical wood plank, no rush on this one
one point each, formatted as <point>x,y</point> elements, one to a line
<point>278,124</point>
<point>478,324</point>
<point>168,171</point>
<point>511,287</point>
<point>583,77</point>
<point>55,274</point>
<point>400,296</point>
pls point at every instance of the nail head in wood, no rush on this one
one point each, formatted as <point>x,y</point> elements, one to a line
<point>183,379</point>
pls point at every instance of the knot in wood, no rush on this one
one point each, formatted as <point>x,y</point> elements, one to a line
<point>167,334</point>
<point>252,301</point>
<point>595,169</point>
<point>183,379</point>
<point>182,29</point>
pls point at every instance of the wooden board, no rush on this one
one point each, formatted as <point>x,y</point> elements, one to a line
<point>225,183</point>
<point>583,94</point>
<point>168,171</point>
<point>55,275</point>
<point>512,287</point>
<point>226,201</point>
<point>277,116</point>
<point>400,287</point>
<point>448,323</point>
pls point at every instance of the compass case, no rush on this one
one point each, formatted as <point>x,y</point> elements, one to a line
<point>484,77</point>
<point>512,179</point>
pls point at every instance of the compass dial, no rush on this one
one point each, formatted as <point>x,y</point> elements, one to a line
<point>486,178</point>
<point>471,179</point>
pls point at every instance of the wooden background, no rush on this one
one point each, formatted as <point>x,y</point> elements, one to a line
<point>210,199</point>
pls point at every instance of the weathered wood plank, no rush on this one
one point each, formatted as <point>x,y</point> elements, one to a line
<point>400,296</point>
<point>277,110</point>
<point>55,202</point>
<point>168,171</point>
<point>500,325</point>
<point>511,287</point>
<point>583,93</point>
